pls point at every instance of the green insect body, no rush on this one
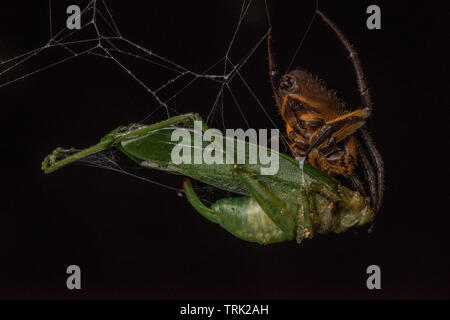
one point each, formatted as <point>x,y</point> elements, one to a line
<point>244,217</point>
<point>291,204</point>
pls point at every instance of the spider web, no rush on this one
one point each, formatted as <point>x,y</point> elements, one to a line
<point>100,36</point>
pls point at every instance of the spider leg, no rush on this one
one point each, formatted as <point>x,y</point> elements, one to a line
<point>366,100</point>
<point>297,138</point>
<point>357,184</point>
<point>379,165</point>
<point>339,128</point>
<point>362,87</point>
<point>370,176</point>
<point>273,71</point>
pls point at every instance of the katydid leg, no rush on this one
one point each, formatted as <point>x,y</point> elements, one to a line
<point>268,201</point>
<point>52,162</point>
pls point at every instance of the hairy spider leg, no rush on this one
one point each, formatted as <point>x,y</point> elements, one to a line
<point>366,100</point>
<point>369,173</point>
<point>273,71</point>
<point>379,164</point>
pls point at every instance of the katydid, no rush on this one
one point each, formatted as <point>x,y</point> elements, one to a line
<point>291,204</point>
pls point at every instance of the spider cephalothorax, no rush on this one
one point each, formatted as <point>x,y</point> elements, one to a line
<point>321,130</point>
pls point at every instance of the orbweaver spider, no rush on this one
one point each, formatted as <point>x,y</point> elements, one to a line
<point>321,132</point>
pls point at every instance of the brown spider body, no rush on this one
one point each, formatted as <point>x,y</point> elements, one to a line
<point>305,111</point>
<point>321,130</point>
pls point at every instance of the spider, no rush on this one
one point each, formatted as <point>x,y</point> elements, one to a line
<point>321,131</point>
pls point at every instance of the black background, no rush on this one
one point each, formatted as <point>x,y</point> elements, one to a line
<point>133,239</point>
